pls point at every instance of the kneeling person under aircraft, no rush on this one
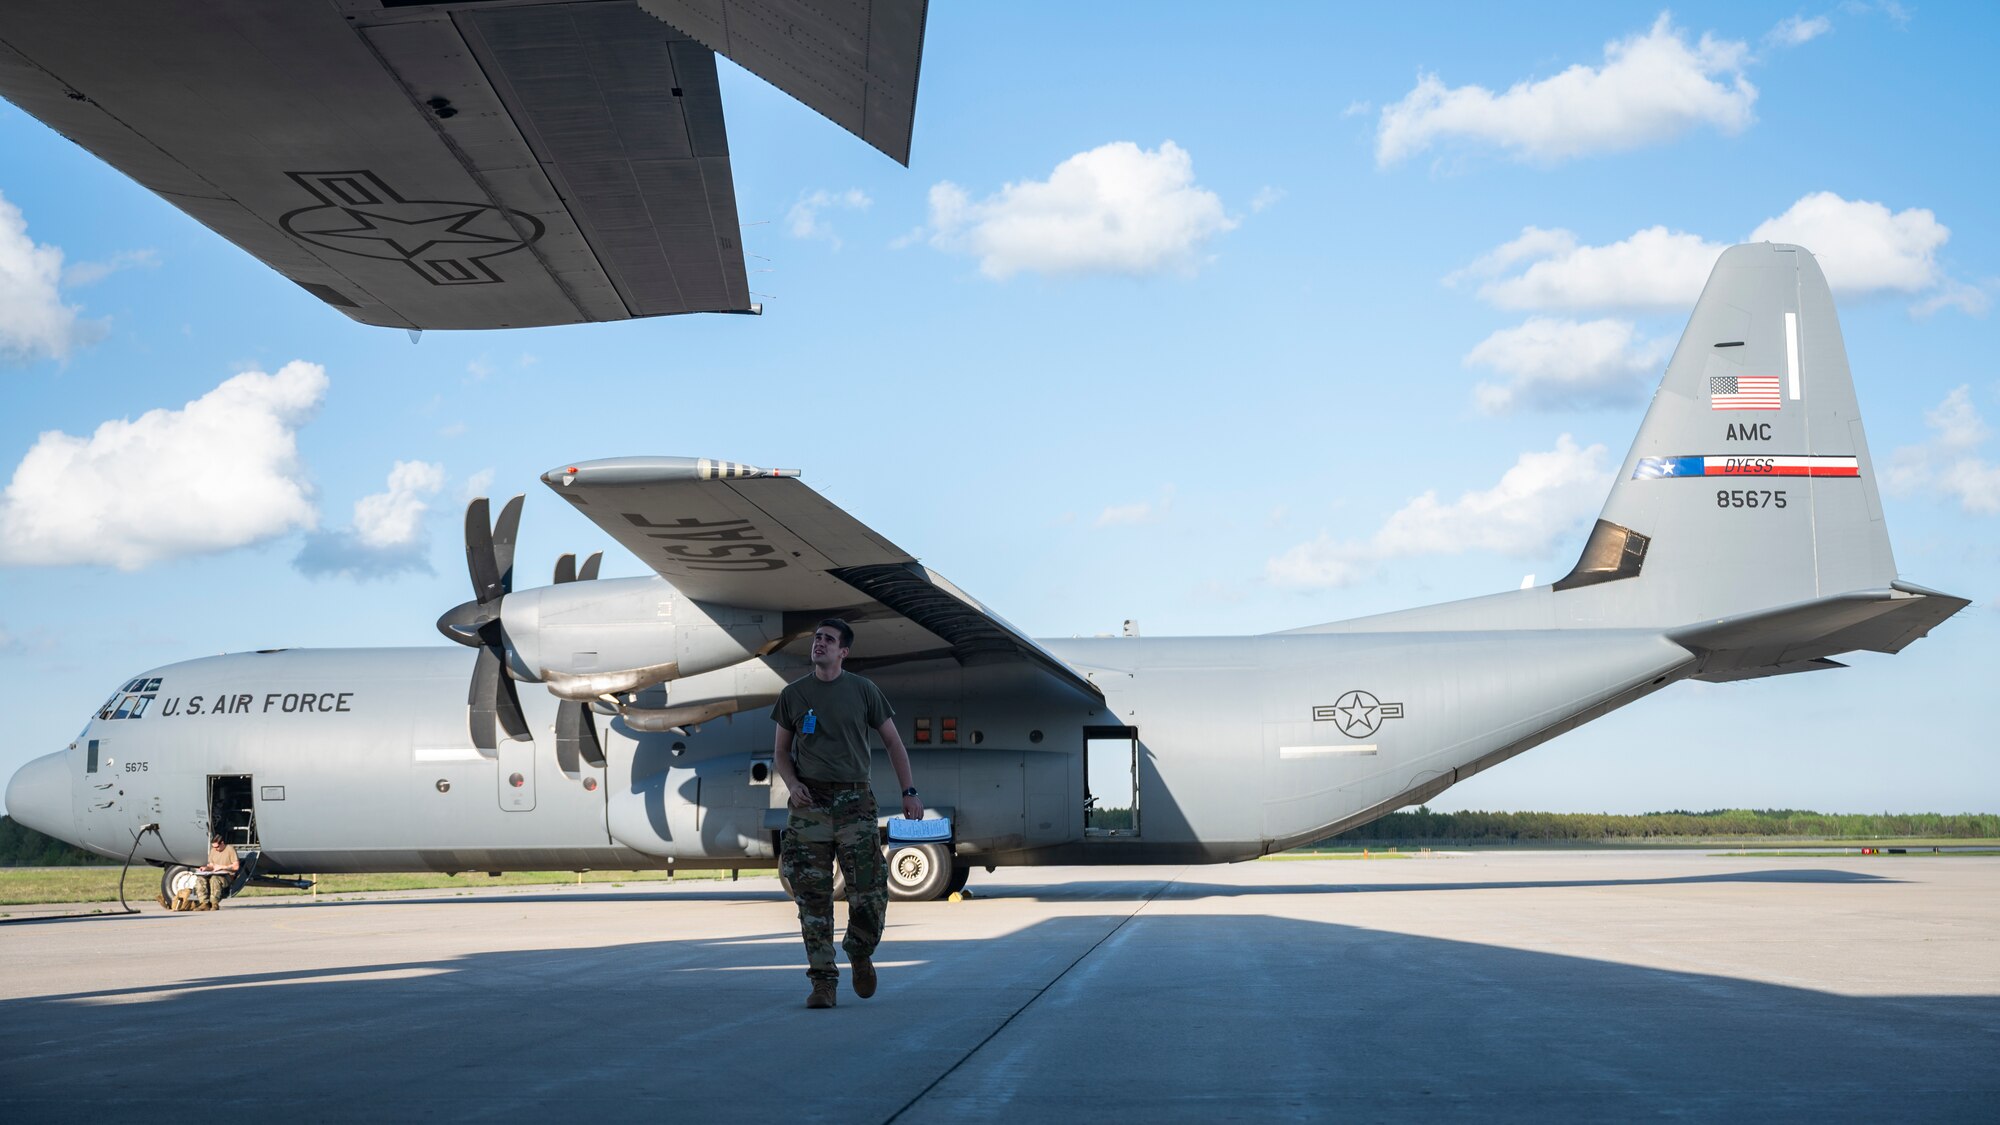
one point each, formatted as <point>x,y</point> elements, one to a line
<point>821,751</point>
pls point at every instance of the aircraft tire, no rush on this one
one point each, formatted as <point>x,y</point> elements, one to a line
<point>959,874</point>
<point>175,877</point>
<point>919,872</point>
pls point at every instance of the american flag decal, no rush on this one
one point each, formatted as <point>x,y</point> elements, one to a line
<point>1743,392</point>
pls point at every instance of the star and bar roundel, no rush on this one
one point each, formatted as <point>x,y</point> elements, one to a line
<point>445,241</point>
<point>1357,713</point>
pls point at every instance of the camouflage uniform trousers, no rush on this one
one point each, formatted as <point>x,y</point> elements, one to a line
<point>210,888</point>
<point>840,823</point>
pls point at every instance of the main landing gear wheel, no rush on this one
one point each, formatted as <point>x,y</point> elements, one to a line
<point>176,877</point>
<point>919,872</point>
<point>958,877</point>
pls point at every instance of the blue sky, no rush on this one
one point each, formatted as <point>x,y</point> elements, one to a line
<point>1167,320</point>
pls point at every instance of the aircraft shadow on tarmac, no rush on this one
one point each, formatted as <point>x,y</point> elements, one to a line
<point>1073,890</point>
<point>1106,890</point>
<point>1151,1015</point>
<point>1184,889</point>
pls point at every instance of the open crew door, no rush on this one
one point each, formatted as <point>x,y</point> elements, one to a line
<point>1110,782</point>
<point>232,811</point>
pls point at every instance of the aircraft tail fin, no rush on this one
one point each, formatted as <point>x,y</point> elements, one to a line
<point>1749,486</point>
<point>1745,521</point>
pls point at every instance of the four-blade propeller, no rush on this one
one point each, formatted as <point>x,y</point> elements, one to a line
<point>489,557</point>
<point>494,703</point>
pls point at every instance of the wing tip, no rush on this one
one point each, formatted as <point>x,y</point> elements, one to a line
<point>658,470</point>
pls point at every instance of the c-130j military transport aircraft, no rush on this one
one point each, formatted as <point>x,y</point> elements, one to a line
<point>1742,538</point>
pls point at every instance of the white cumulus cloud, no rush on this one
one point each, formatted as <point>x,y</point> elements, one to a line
<point>1116,209</point>
<point>34,321</point>
<point>90,273</point>
<point>394,518</point>
<point>477,484</point>
<point>1950,463</point>
<point>806,220</point>
<point>1654,269</point>
<point>1793,31</point>
<point>1972,300</point>
<point>1142,511</point>
<point>1863,247</point>
<point>1543,496</point>
<point>1652,87</point>
<point>388,531</point>
<point>221,472</point>
<point>1555,363</point>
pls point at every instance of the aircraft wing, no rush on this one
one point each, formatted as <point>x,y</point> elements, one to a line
<point>461,164</point>
<point>760,539</point>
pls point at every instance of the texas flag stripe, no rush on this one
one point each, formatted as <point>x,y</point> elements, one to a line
<point>1716,465</point>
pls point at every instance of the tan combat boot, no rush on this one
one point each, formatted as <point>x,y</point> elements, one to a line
<point>824,993</point>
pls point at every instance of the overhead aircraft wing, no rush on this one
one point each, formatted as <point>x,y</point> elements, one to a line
<point>855,61</point>
<point>467,164</point>
<point>732,534</point>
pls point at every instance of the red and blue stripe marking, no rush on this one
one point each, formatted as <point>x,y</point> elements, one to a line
<point>1755,465</point>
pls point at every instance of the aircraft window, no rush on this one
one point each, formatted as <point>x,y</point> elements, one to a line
<point>139,705</point>
<point>1611,553</point>
<point>152,684</point>
<point>124,708</point>
<point>104,712</point>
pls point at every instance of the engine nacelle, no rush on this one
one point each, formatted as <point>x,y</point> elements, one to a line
<point>621,634</point>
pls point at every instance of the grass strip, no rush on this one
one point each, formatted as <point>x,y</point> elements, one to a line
<point>40,885</point>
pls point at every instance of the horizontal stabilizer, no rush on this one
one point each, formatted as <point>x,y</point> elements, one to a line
<point>1733,675</point>
<point>1802,636</point>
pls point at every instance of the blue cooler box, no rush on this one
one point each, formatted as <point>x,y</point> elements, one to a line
<point>932,830</point>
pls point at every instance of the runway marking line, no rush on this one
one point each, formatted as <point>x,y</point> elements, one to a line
<point>1036,995</point>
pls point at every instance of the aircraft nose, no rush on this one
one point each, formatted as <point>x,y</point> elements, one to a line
<point>38,796</point>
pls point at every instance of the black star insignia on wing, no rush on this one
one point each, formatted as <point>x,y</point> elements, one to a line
<point>410,238</point>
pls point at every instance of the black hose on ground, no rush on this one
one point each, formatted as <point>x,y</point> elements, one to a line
<point>136,837</point>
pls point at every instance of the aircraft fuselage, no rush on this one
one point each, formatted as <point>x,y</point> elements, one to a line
<point>359,760</point>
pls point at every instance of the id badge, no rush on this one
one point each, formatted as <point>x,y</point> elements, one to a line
<point>810,724</point>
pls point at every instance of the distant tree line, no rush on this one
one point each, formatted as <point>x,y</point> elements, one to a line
<point>1505,827</point>
<point>21,846</point>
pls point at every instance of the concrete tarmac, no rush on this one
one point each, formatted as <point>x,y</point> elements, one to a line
<point>1513,986</point>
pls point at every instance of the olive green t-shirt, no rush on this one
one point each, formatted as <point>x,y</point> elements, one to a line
<point>843,713</point>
